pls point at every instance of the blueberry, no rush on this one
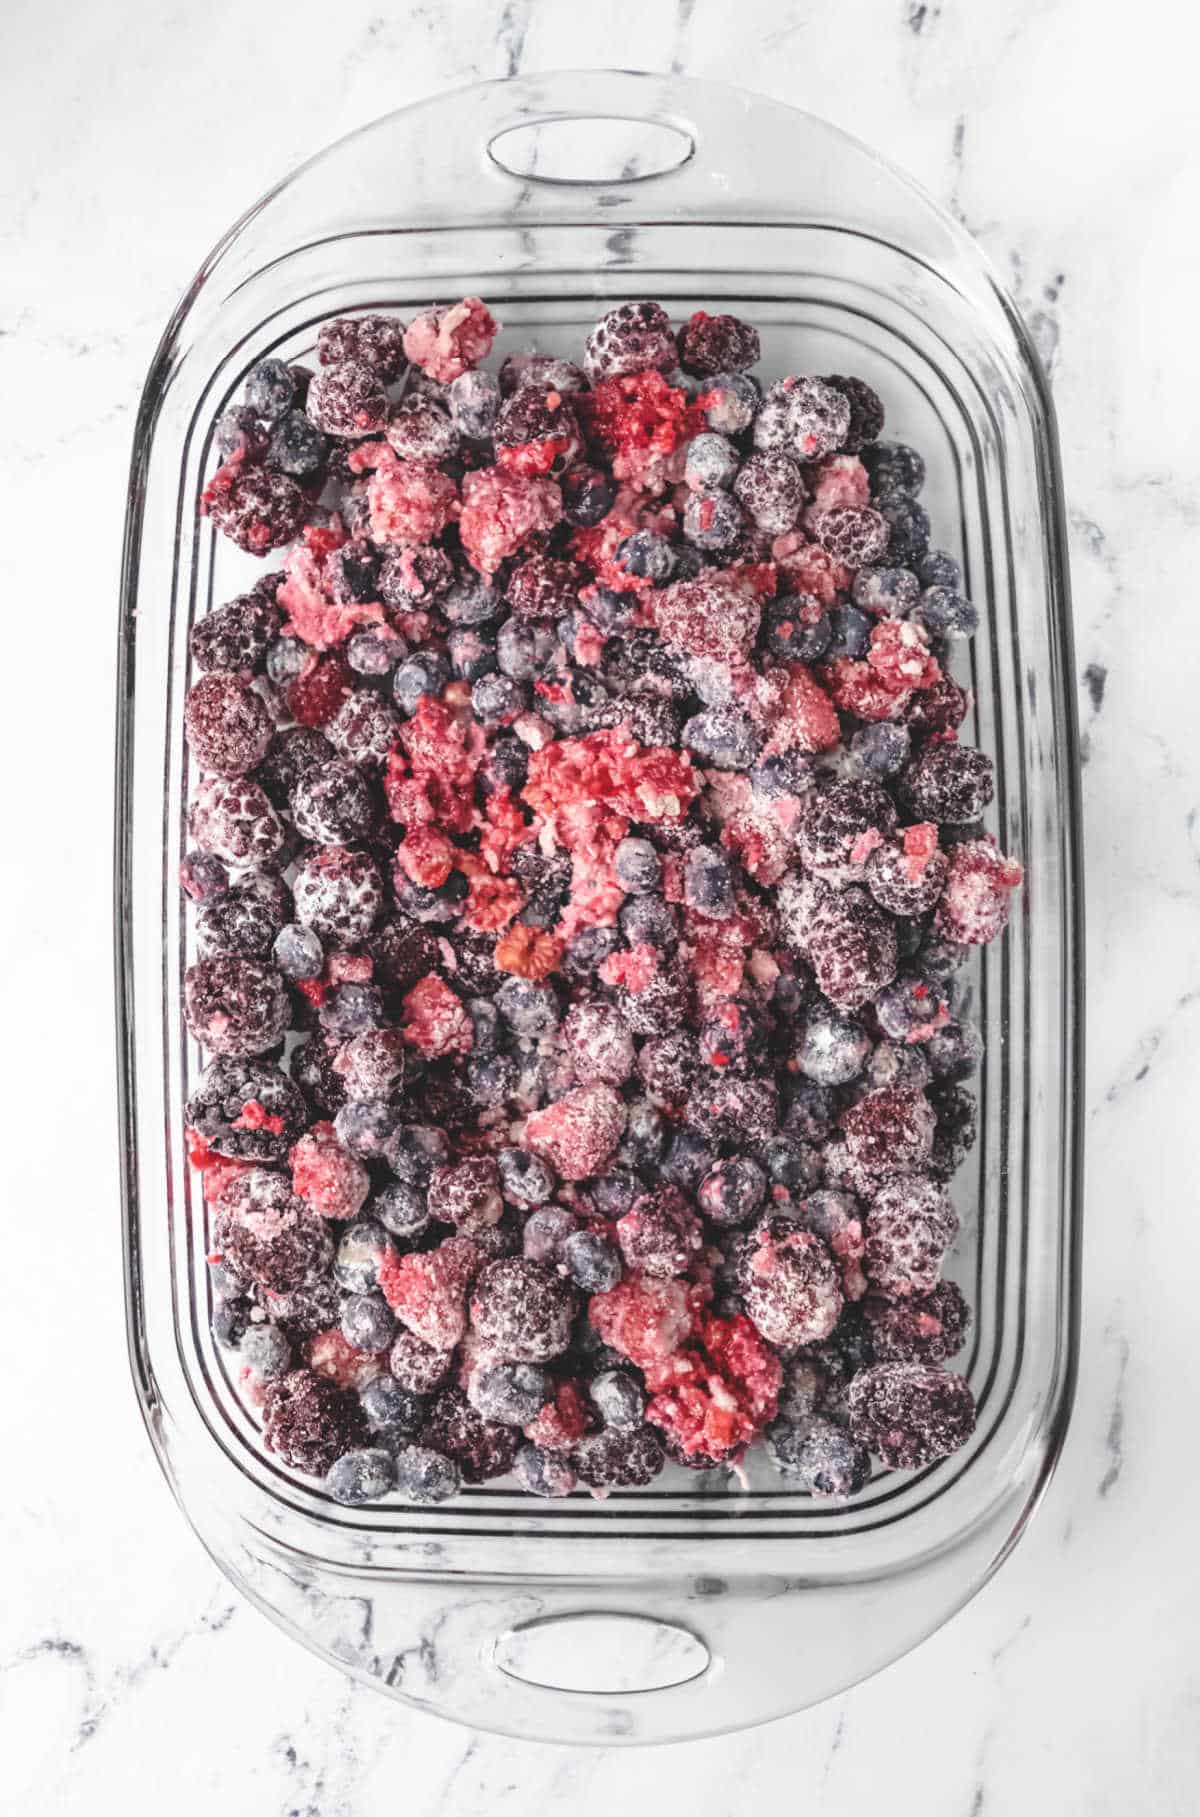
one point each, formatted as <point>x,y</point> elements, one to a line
<point>402,1209</point>
<point>788,773</point>
<point>361,1476</point>
<point>850,634</point>
<point>689,562</point>
<point>472,654</point>
<point>265,1351</point>
<point>881,749</point>
<point>713,520</point>
<point>368,1322</point>
<point>648,921</point>
<point>886,592</point>
<point>360,1253</point>
<point>471,602</point>
<point>529,1009</point>
<point>647,556</point>
<point>820,1455</point>
<point>491,1079</point>
<point>545,1473</point>
<point>365,1127</point>
<point>618,1399</point>
<point>893,467</point>
<point>797,630</point>
<point>298,448</point>
<point>545,1232</point>
<point>724,738</point>
<point>510,1393</point>
<point>938,568</point>
<point>286,658</point>
<point>588,950</point>
<point>954,1051</point>
<point>811,1110</point>
<point>349,1009</point>
<point>392,1410</point>
<point>203,876</point>
<point>733,1191</point>
<point>945,613</point>
<point>792,1163</point>
<point>644,1139</point>
<point>711,462</point>
<point>708,882</point>
<point>495,698</point>
<point>587,496</point>
<point>424,1475</point>
<point>372,655</point>
<point>611,612</point>
<point>427,672</point>
<point>230,1322</point>
<point>908,524</point>
<point>525,1179</point>
<point>638,866</point>
<point>687,1159</point>
<point>270,389</point>
<point>474,399</point>
<point>485,1023</point>
<point>730,401</point>
<point>613,1193</point>
<point>833,1048</point>
<point>523,650</point>
<point>415,1150</point>
<point>507,763</point>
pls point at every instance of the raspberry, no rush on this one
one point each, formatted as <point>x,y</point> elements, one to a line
<point>899,655</point>
<point>562,1421</point>
<point>308,1422</point>
<point>711,344</point>
<point>329,1354</point>
<point>646,1321</point>
<point>315,696</point>
<point>256,509</point>
<point>858,688</point>
<point>634,337</point>
<point>579,1133</point>
<point>445,343</point>
<point>268,1234</point>
<point>234,1005</point>
<point>501,512</point>
<point>435,1021</point>
<point>722,1392</point>
<point>924,1328</point>
<point>635,421</point>
<point>428,1291</point>
<point>974,904</point>
<point>373,341</point>
<point>910,1415</point>
<point>410,501</point>
<point>326,1177</point>
<point>789,1283</point>
<point>347,400</point>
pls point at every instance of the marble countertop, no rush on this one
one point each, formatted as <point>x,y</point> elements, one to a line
<point>130,1672</point>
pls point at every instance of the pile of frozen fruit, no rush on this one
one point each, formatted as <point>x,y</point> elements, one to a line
<point>583,857</point>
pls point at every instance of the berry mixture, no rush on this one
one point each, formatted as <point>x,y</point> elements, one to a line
<point>583,854</point>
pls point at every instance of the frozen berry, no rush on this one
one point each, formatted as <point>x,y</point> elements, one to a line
<point>710,464</point>
<point>234,1005</point>
<point>521,1311</point>
<point>348,400</point>
<point>543,1473</point>
<point>373,341</point>
<point>482,1448</point>
<point>634,337</point>
<point>945,613</point>
<point>234,637</point>
<point>308,1422</point>
<point>712,520</point>
<point>723,737</point>
<point>339,894</point>
<point>732,1192</point>
<point>909,1227</point>
<point>247,1109</point>
<point>618,1459</point>
<point>820,1455</point>
<point>866,411</point>
<point>923,1328</point>
<point>730,402</point>
<point>419,429</point>
<point>510,1393</point>
<point>266,1352</point>
<point>886,592</point>
<point>833,1048</point>
<point>297,448</point>
<point>227,725</point>
<point>954,1051</point>
<point>578,1134</point>
<point>257,509</point>
<point>851,947</point>
<point>908,528</point>
<point>789,1283</point>
<point>894,467</point>
<point>854,535</point>
<point>910,1414</point>
<point>425,1476</point>
<point>802,417</point>
<point>949,782</point>
<point>367,1322</point>
<point>974,906</point>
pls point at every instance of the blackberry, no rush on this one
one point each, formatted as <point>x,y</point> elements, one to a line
<point>924,1328</point>
<point>338,893</point>
<point>711,344</point>
<point>247,1110</point>
<point>367,1322</point>
<point>723,737</point>
<point>908,528</point>
<point>392,1411</point>
<point>235,637</point>
<point>332,804</point>
<point>852,948</point>
<point>418,429</point>
<point>618,1459</point>
<point>893,467</point>
<point>307,1422</point>
<point>588,495</point>
<point>905,884</point>
<point>957,1128</point>
<point>732,1192</point>
<point>402,952</point>
<point>235,1006</point>
<point>802,417</point>
<point>268,1235</point>
<point>512,1394</point>
<point>634,337</point>
<point>481,1448</point>
<point>910,1414</point>
<point>853,534</point>
<point>311,1066</point>
<point>521,1311</point>
<point>949,782</point>
<point>298,449</point>
<point>866,411</point>
<point>909,1228</point>
<point>228,727</point>
<point>416,1365</point>
<point>537,429</point>
<point>835,823</point>
<point>240,921</point>
<point>374,341</point>
<point>771,489</point>
<point>348,400</point>
<point>789,1283</point>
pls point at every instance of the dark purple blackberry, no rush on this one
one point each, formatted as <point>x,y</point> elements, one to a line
<point>957,1128</point>
<point>363,1474</point>
<point>481,1448</point>
<point>291,754</point>
<point>903,883</point>
<point>419,429</point>
<point>544,588</point>
<point>723,738</point>
<point>521,1311</point>
<point>853,534</point>
<point>949,782</point>
<point>713,521</point>
<point>348,400</point>
<point>373,341</point>
<point>418,1366</point>
<point>402,952</point>
<point>268,1235</point>
<point>415,577</point>
<point>374,1064</point>
<point>837,822</point>
<point>367,1323</point>
<point>634,337</point>
<point>466,1194</point>
<point>533,417</point>
<point>255,508</point>
<point>203,877</point>
<point>664,1003</point>
<point>425,1476</point>
<point>770,488</point>
<point>881,749</point>
<point>924,1328</point>
<point>474,969</point>
<point>544,1473</point>
<point>339,893</point>
<point>939,709</point>
<point>248,1110</point>
<point>312,1067</point>
<point>234,637</point>
<point>910,1415</point>
<point>510,1394</point>
<point>616,1459</point>
<point>802,417</point>
<point>909,1228</point>
<point>833,1048</point>
<point>298,449</point>
<point>597,1044</point>
<point>228,727</point>
<point>332,803</point>
<point>711,344</point>
<point>908,528</point>
<point>506,766</point>
<point>945,613</point>
<point>866,411</point>
<point>588,495</point>
<point>893,467</point>
<point>731,1193</point>
<point>243,920</point>
<point>392,1411</point>
<point>618,1398</point>
<point>660,1235</point>
<point>363,730</point>
<point>852,948</point>
<point>788,1281</point>
<point>308,1423</point>
<point>820,1455</point>
<point>235,1006</point>
<point>730,1112</point>
<point>730,402</point>
<point>889,1132</point>
<point>886,592</point>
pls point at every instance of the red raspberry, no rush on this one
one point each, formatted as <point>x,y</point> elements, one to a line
<point>715,616</point>
<point>501,512</point>
<point>434,1019</point>
<point>315,696</point>
<point>410,501</point>
<point>329,1355</point>
<point>563,1421</point>
<point>647,1321</point>
<point>899,655</point>
<point>428,1291</point>
<point>723,1391</point>
<point>445,343</point>
<point>578,1134</point>
<point>426,857</point>
<point>636,420</point>
<point>326,1177</point>
<point>974,905</point>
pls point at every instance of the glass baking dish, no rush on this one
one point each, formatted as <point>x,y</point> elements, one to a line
<point>770,1601</point>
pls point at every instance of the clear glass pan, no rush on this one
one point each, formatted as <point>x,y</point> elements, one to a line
<point>845,267</point>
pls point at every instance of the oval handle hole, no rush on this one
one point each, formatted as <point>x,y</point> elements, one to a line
<point>606,1655</point>
<point>598,149</point>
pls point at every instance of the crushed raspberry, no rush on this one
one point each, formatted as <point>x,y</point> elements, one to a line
<point>501,512</point>
<point>595,549</point>
<point>428,1292</point>
<point>635,421</point>
<point>808,569</point>
<point>722,1392</point>
<point>578,1134</point>
<point>445,343</point>
<point>859,688</point>
<point>920,845</point>
<point>409,501</point>
<point>505,828</point>
<point>806,719</point>
<point>974,905</point>
<point>329,1355</point>
<point>426,857</point>
<point>434,1019</point>
<point>899,655</point>
<point>326,1177</point>
<point>587,789</point>
<point>534,457</point>
<point>563,1421</point>
<point>528,952</point>
<point>633,969</point>
<point>838,482</point>
<point>255,1117</point>
<point>311,615</point>
<point>647,1321</point>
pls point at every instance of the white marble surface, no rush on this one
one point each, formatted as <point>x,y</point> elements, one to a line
<point>1063,131</point>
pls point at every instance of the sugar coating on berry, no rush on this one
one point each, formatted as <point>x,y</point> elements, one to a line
<point>232,819</point>
<point>851,945</point>
<point>235,1005</point>
<point>924,1328</point>
<point>227,725</point>
<point>910,1414</point>
<point>326,1176</point>
<point>338,893</point>
<point>308,1422</point>
<point>428,1291</point>
<point>578,1134</point>
<point>445,343</point>
<point>268,1234</point>
<point>910,1225</point>
<point>789,1282</point>
<point>634,337</point>
<point>521,1311</point>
